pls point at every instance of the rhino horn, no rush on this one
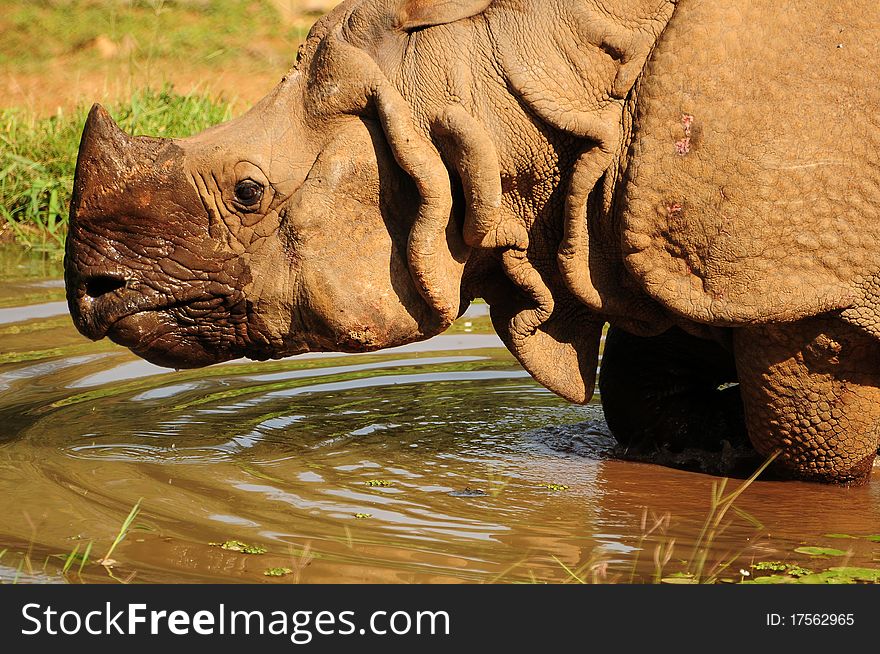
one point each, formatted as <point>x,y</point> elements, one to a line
<point>100,128</point>
<point>102,148</point>
<point>109,161</point>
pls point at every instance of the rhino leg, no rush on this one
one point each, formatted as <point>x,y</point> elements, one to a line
<point>811,390</point>
<point>663,391</point>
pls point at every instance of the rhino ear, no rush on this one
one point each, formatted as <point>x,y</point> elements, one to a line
<point>414,14</point>
<point>370,22</point>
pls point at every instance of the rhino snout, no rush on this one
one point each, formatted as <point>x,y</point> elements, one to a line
<point>89,298</point>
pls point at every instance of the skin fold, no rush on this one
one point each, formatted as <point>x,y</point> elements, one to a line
<point>699,175</point>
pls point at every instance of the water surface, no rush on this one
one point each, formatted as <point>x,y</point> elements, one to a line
<point>485,476</point>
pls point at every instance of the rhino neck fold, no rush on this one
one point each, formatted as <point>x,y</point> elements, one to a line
<point>509,133</point>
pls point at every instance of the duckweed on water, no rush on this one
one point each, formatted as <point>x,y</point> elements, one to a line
<point>836,575</point>
<point>557,487</point>
<point>363,516</point>
<point>239,546</point>
<point>778,566</point>
<point>380,483</point>
<point>775,566</point>
<point>278,572</point>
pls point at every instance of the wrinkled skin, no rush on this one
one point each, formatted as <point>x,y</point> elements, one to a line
<point>707,168</point>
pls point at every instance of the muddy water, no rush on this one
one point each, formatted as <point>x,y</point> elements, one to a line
<point>490,477</point>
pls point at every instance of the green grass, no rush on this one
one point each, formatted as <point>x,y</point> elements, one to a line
<point>38,155</point>
<point>70,566</point>
<point>144,32</point>
<point>61,52</point>
<point>107,561</point>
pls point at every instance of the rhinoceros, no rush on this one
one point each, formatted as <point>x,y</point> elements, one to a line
<point>704,177</point>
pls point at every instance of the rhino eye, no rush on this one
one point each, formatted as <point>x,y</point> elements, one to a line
<point>248,192</point>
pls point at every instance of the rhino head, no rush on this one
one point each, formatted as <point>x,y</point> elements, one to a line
<point>573,162</point>
<point>365,201</point>
<point>320,220</point>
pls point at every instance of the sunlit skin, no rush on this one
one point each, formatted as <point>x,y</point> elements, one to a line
<point>417,157</point>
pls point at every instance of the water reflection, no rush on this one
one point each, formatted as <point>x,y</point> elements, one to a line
<point>437,462</point>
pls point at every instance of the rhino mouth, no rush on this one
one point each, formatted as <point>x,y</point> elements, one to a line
<point>169,330</point>
<point>103,299</point>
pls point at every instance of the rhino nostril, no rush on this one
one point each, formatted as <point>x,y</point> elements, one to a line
<point>99,285</point>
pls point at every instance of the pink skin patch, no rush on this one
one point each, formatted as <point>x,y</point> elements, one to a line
<point>686,121</point>
<point>683,146</point>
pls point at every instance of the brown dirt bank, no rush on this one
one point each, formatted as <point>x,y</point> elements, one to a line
<point>57,54</point>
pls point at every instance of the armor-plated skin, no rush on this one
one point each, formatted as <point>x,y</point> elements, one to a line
<point>656,164</point>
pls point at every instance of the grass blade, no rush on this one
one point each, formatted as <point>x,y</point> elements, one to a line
<point>123,532</point>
